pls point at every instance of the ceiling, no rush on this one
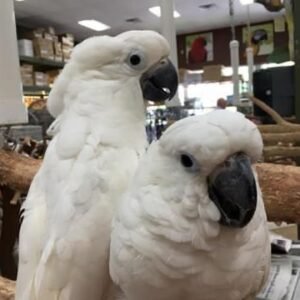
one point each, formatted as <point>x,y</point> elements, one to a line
<point>64,15</point>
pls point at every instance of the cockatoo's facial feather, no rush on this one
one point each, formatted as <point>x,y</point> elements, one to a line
<point>210,139</point>
<point>128,61</point>
<point>214,153</point>
<point>129,53</point>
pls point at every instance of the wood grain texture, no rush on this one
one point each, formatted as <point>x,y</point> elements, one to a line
<point>281,191</point>
<point>7,289</point>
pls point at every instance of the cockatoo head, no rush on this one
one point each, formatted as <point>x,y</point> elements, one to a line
<point>208,159</point>
<point>141,55</point>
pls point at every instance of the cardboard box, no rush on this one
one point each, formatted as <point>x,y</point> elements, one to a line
<point>25,47</point>
<point>27,79</point>
<point>212,73</point>
<point>51,30</point>
<point>48,36</point>
<point>40,79</point>
<point>26,68</point>
<point>67,39</point>
<point>43,48</point>
<point>58,52</point>
<point>67,50</point>
<point>36,33</point>
<point>27,74</point>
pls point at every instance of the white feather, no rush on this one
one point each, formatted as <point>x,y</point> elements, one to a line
<point>175,248</point>
<point>99,136</point>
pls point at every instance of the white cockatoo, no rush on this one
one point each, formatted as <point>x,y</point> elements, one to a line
<point>99,134</point>
<point>192,224</point>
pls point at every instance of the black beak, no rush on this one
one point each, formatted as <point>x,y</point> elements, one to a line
<point>160,82</point>
<point>232,188</point>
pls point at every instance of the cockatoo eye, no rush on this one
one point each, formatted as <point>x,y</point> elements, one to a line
<point>189,162</point>
<point>136,60</point>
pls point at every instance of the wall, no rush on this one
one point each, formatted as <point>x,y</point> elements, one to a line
<point>222,38</point>
<point>12,109</point>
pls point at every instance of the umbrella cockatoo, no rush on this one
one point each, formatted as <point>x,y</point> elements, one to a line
<point>192,225</point>
<point>99,135</point>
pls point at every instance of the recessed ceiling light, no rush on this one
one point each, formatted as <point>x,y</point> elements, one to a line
<point>19,0</point>
<point>246,2</point>
<point>94,25</point>
<point>156,11</point>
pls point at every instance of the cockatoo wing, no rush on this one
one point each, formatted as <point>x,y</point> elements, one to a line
<point>31,238</point>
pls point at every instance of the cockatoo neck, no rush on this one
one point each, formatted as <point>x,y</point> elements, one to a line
<point>114,109</point>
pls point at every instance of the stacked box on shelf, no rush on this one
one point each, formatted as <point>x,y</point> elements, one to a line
<point>42,44</point>
<point>25,47</point>
<point>43,48</point>
<point>57,46</point>
<point>58,50</point>
<point>40,79</point>
<point>67,41</point>
<point>26,74</point>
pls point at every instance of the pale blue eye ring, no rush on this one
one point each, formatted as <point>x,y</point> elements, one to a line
<point>136,60</point>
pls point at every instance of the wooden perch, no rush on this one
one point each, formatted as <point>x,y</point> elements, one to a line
<point>271,112</point>
<point>280,184</point>
<point>285,138</point>
<point>281,191</point>
<point>281,151</point>
<point>16,170</point>
<point>7,289</point>
<point>279,128</point>
<point>282,126</point>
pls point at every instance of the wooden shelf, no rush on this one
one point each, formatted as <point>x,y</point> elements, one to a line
<point>42,62</point>
<point>35,90</point>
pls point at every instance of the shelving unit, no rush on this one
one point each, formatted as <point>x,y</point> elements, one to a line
<point>36,90</point>
<point>42,62</point>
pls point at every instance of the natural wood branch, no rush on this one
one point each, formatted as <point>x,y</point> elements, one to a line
<point>16,170</point>
<point>281,191</point>
<point>272,151</point>
<point>279,128</point>
<point>7,289</point>
<point>285,138</point>
<point>282,126</point>
<point>270,111</point>
<point>280,184</point>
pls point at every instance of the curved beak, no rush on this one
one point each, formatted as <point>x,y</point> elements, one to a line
<point>232,188</point>
<point>160,82</point>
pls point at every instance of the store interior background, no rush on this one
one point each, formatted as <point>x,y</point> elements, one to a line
<point>201,83</point>
<point>46,32</point>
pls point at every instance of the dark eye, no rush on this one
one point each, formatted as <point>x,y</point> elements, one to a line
<point>189,162</point>
<point>136,60</point>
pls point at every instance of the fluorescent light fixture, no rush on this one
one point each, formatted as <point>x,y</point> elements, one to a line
<point>94,25</point>
<point>156,11</point>
<point>19,0</point>
<point>246,2</point>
